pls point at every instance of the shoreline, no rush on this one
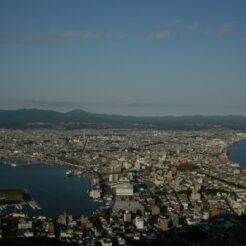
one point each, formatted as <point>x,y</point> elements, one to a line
<point>229,149</point>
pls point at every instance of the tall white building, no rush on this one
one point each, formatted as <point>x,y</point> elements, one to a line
<point>139,223</point>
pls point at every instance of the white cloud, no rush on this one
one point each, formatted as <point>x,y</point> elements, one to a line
<point>225,29</point>
<point>159,36</point>
<point>52,37</point>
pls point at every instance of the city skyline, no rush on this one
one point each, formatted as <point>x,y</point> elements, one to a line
<point>124,57</point>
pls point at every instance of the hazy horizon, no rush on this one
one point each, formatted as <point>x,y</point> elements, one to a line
<point>125,110</point>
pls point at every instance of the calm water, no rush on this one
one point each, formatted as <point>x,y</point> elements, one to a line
<point>50,188</point>
<point>238,153</point>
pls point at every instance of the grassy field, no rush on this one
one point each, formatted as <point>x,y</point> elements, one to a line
<point>12,195</point>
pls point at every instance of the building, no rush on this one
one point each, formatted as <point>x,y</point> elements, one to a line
<point>127,216</point>
<point>95,194</point>
<point>163,223</point>
<point>106,242</point>
<point>139,223</point>
<point>155,210</point>
<point>125,189</point>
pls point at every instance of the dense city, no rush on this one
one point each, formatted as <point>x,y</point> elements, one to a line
<point>155,187</point>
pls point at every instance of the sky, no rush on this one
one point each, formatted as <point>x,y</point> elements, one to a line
<point>130,57</point>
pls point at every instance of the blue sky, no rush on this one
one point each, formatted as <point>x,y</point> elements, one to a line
<point>134,57</point>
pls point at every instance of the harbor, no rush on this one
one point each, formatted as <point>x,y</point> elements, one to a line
<point>51,191</point>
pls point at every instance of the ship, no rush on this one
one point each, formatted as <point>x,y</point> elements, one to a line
<point>69,173</point>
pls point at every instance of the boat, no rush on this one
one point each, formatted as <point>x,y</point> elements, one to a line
<point>13,165</point>
<point>74,173</point>
<point>69,173</point>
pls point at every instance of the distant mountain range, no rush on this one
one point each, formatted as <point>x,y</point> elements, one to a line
<point>36,118</point>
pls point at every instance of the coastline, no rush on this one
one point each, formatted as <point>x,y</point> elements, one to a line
<point>229,150</point>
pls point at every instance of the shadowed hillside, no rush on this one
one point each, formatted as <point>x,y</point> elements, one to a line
<point>34,118</point>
